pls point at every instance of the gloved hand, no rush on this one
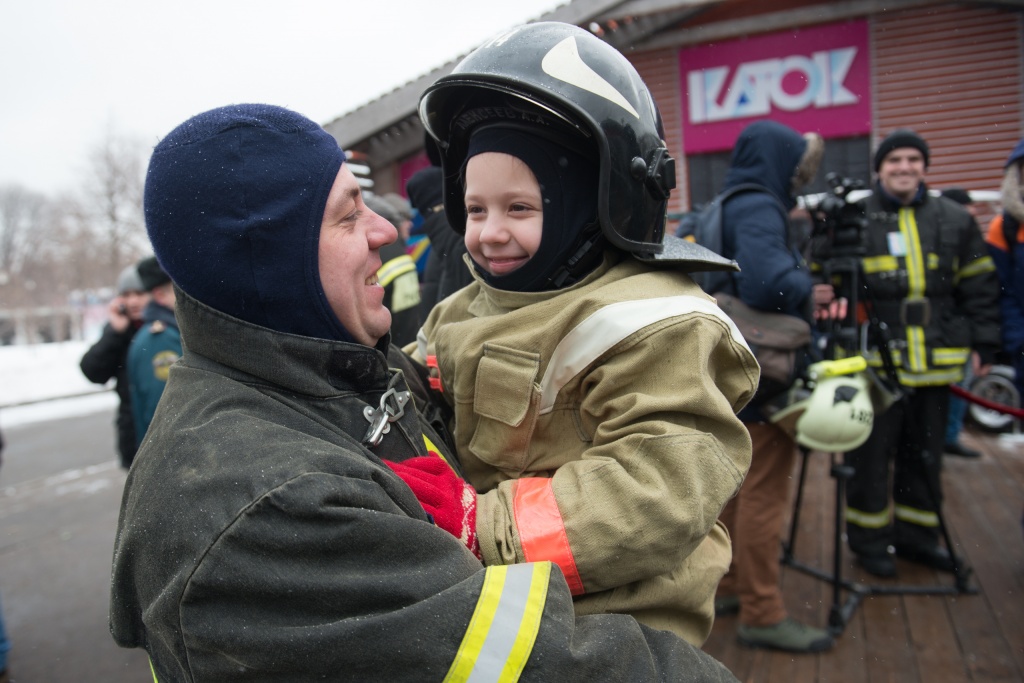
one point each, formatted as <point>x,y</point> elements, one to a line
<point>443,494</point>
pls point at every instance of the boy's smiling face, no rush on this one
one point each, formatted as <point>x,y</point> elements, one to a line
<point>504,212</point>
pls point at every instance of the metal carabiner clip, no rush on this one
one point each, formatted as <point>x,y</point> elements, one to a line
<point>392,408</point>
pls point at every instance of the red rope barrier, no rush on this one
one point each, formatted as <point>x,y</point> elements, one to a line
<point>985,403</point>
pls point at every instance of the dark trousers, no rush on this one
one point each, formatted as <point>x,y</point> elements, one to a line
<point>903,453</point>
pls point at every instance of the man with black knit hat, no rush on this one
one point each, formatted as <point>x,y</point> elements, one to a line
<point>930,279</point>
<point>261,535</point>
<point>155,348</point>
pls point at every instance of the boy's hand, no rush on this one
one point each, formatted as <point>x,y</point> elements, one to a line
<point>444,496</point>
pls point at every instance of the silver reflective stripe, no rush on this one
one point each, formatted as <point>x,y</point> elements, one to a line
<point>502,631</point>
<point>609,326</point>
<point>502,635</point>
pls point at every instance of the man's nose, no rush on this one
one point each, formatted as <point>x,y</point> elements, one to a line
<point>382,233</point>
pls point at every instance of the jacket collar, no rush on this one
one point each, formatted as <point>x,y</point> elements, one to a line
<point>315,367</point>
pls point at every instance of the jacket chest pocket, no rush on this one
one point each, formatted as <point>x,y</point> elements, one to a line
<point>505,403</point>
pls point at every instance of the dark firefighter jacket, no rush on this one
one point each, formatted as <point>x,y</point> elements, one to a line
<point>929,277</point>
<point>260,540</point>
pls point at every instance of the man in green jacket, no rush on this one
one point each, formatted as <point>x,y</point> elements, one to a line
<point>262,536</point>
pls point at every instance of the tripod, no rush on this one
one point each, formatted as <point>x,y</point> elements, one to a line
<point>847,271</point>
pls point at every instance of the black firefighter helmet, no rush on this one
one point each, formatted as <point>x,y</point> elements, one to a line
<point>559,80</point>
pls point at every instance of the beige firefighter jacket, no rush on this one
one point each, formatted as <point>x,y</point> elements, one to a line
<point>598,425</point>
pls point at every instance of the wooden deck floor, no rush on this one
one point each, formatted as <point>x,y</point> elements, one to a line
<point>903,638</point>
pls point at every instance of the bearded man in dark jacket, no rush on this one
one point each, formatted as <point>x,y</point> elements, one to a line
<point>263,534</point>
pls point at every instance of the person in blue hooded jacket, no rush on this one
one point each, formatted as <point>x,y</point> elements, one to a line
<point>773,277</point>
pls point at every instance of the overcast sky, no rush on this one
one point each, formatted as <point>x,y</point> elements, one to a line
<point>74,69</point>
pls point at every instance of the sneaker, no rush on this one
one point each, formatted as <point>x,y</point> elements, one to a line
<point>789,635</point>
<point>726,605</point>
<point>957,448</point>
<point>878,565</point>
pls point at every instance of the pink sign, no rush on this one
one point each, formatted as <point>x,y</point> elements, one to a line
<point>814,79</point>
<point>408,167</point>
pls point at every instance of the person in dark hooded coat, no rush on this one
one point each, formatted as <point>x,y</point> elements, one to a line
<point>773,277</point>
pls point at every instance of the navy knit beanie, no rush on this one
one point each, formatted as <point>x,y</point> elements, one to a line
<point>897,139</point>
<point>234,201</point>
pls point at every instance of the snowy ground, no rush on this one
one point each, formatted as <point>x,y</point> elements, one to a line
<point>31,375</point>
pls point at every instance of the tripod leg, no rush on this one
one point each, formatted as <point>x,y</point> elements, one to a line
<point>789,545</point>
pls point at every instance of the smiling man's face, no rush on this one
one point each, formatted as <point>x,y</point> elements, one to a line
<point>902,172</point>
<point>349,255</point>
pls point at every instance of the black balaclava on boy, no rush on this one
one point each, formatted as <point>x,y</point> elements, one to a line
<point>568,188</point>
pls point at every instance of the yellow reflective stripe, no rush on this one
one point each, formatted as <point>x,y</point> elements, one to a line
<point>915,516</point>
<point>985,264</point>
<point>933,261</point>
<point>152,670</point>
<point>914,259</point>
<point>916,353</point>
<point>397,266</point>
<point>504,626</point>
<point>867,520</point>
<point>932,378</point>
<point>879,264</point>
<point>950,356</point>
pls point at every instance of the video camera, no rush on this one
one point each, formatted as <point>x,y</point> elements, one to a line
<point>840,215</point>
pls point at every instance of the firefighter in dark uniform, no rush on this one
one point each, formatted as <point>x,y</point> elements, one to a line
<point>931,281</point>
<point>155,348</point>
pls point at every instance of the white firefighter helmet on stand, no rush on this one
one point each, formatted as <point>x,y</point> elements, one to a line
<point>830,410</point>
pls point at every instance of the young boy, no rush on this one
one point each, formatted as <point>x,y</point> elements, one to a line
<point>594,385</point>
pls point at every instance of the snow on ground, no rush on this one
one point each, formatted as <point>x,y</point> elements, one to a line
<point>33,374</point>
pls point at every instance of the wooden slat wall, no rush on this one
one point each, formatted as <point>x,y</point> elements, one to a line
<point>953,73</point>
<point>660,71</point>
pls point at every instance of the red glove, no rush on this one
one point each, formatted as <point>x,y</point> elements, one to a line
<point>443,494</point>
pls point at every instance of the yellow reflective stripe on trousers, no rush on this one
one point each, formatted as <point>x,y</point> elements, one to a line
<point>504,626</point>
<point>915,516</point>
<point>152,670</point>
<point>917,357</point>
<point>867,520</point>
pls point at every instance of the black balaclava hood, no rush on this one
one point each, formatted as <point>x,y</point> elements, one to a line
<point>568,188</point>
<point>234,201</point>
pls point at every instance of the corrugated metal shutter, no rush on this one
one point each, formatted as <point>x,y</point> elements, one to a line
<point>660,71</point>
<point>953,74</point>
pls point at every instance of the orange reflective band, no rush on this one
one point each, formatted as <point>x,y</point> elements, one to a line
<point>541,530</point>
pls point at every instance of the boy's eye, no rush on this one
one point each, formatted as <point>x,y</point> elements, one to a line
<point>474,209</point>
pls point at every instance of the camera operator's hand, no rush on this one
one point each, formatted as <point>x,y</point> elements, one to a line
<point>826,305</point>
<point>118,314</point>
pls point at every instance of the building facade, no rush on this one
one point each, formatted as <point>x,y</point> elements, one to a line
<point>851,70</point>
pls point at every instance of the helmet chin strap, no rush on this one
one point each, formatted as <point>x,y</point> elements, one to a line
<point>583,259</point>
